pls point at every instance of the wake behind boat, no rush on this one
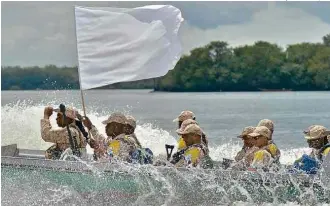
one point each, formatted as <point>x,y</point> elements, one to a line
<point>80,182</point>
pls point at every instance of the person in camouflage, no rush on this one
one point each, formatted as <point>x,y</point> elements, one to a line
<point>272,147</point>
<point>184,116</point>
<point>248,142</point>
<point>317,138</point>
<point>130,128</point>
<point>258,156</point>
<point>117,144</point>
<point>196,152</point>
<point>60,137</point>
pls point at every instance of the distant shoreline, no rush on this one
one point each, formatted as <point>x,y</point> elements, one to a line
<point>215,67</point>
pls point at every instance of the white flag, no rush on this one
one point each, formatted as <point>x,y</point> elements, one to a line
<point>119,45</point>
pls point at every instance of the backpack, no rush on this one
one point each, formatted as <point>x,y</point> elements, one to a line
<point>142,156</point>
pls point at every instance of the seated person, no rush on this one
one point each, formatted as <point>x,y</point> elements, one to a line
<point>60,137</point>
<point>258,156</point>
<point>274,151</point>
<point>247,142</point>
<point>117,144</point>
<point>140,155</point>
<point>317,138</point>
<point>195,152</point>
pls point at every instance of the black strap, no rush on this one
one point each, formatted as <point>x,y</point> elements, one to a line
<point>73,141</point>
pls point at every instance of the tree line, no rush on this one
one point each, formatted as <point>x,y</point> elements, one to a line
<point>214,67</point>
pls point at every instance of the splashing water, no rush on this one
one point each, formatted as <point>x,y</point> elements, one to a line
<point>21,124</point>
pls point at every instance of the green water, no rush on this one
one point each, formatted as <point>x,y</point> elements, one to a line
<point>152,186</point>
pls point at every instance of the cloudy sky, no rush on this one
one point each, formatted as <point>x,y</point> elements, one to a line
<point>41,33</point>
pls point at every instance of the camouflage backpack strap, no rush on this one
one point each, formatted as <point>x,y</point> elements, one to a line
<point>81,143</point>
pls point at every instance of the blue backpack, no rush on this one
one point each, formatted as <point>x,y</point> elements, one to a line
<point>142,156</point>
<point>307,164</point>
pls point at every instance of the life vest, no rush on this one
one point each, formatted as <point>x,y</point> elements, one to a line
<point>324,151</point>
<point>182,143</point>
<point>114,145</point>
<point>266,158</point>
<point>191,155</point>
<point>259,157</point>
<point>274,151</point>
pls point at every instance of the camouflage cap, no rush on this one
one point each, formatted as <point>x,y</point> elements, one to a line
<point>116,117</point>
<point>70,112</point>
<point>184,116</point>
<point>267,123</point>
<point>246,131</point>
<point>184,124</point>
<point>192,129</point>
<point>263,131</point>
<point>316,132</point>
<point>131,121</point>
<point>309,128</point>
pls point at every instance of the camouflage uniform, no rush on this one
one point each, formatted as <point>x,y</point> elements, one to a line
<point>265,156</point>
<point>132,122</point>
<point>60,136</point>
<point>120,147</point>
<point>316,132</point>
<point>271,148</point>
<point>256,157</point>
<point>195,154</point>
<point>241,154</point>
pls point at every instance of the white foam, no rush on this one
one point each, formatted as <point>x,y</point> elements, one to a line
<point>20,124</point>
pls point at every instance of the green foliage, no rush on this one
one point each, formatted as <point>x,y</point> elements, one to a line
<point>214,67</point>
<point>262,66</point>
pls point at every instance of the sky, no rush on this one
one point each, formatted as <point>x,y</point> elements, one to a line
<point>43,33</point>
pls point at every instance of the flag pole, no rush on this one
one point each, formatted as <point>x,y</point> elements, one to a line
<point>81,90</point>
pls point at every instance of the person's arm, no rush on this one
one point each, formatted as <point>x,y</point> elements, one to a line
<point>48,134</point>
<point>93,130</point>
<point>240,155</point>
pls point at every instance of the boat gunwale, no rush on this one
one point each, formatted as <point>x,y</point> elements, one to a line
<point>78,167</point>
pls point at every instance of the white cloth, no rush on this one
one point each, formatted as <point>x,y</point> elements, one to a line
<point>119,45</point>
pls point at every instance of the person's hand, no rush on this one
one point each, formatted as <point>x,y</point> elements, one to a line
<point>48,111</point>
<point>87,123</point>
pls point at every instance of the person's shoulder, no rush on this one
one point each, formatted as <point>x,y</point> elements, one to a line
<point>261,154</point>
<point>326,151</point>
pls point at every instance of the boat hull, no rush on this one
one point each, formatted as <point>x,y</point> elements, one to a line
<point>29,181</point>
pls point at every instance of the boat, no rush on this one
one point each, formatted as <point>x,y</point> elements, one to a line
<point>275,90</point>
<point>29,179</point>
